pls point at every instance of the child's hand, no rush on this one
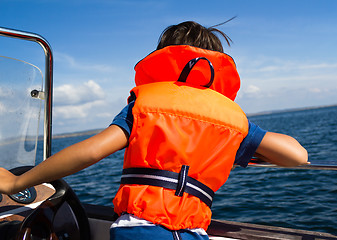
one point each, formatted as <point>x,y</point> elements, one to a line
<point>7,181</point>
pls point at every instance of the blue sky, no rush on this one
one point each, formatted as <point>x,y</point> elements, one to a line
<point>285,51</point>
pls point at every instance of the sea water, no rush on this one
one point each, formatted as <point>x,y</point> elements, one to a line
<point>302,199</point>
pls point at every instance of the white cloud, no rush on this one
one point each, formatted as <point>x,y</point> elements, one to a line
<point>2,108</point>
<point>77,101</point>
<point>270,83</point>
<point>286,98</point>
<point>315,90</point>
<point>91,115</point>
<point>274,79</point>
<point>252,89</point>
<point>2,92</point>
<point>78,93</point>
<point>85,106</point>
<point>277,66</point>
<point>77,111</point>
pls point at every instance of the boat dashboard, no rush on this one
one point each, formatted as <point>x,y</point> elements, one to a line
<point>17,206</point>
<point>31,208</point>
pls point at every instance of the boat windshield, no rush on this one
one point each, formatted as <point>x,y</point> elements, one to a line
<point>20,106</point>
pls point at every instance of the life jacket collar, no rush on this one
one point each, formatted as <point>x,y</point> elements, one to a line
<point>166,65</point>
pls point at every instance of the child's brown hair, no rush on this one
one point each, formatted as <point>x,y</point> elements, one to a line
<point>193,34</point>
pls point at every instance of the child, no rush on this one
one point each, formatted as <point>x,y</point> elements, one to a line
<point>183,133</point>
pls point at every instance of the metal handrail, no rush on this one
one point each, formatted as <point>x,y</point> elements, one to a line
<point>309,166</point>
<point>48,89</point>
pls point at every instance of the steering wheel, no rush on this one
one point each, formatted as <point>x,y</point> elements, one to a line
<point>39,224</point>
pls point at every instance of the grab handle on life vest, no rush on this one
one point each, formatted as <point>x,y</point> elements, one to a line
<point>188,67</point>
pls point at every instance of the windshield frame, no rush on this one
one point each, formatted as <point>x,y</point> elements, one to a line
<point>48,84</point>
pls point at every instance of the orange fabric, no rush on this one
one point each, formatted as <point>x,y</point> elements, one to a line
<point>165,65</point>
<point>179,124</point>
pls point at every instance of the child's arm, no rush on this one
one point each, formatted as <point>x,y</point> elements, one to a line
<point>68,161</point>
<point>281,150</point>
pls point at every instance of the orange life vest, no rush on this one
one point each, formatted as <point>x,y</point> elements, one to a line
<point>181,124</point>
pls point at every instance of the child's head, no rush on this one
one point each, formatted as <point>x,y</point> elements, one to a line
<point>193,34</point>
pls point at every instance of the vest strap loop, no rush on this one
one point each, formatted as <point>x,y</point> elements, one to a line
<point>170,180</point>
<point>188,67</point>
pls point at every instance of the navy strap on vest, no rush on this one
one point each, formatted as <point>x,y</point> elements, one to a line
<point>171,180</point>
<point>188,67</point>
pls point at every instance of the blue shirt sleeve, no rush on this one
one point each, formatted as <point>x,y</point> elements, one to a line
<point>125,119</point>
<point>249,145</point>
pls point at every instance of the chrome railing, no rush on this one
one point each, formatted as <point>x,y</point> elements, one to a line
<point>314,166</point>
<point>48,86</point>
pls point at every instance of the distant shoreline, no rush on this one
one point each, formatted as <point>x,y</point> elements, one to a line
<point>95,131</point>
<point>76,134</point>
<point>289,110</point>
